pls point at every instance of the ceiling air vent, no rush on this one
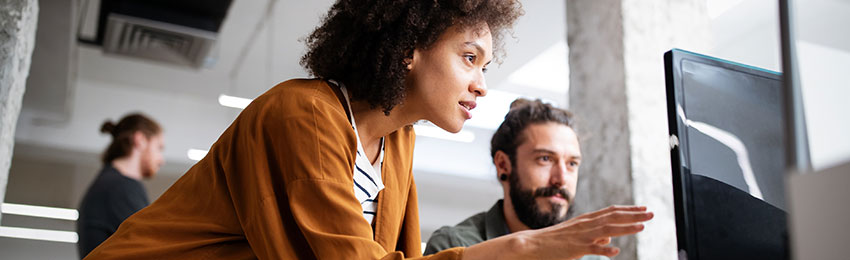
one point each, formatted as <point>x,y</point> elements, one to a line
<point>167,42</point>
<point>180,32</point>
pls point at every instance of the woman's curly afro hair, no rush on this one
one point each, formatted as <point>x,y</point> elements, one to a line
<point>363,43</point>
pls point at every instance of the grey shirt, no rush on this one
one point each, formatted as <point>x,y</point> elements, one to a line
<point>110,199</point>
<point>476,229</point>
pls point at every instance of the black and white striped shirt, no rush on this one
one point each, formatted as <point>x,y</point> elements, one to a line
<point>367,176</point>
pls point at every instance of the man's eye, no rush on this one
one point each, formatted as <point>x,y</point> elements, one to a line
<point>544,158</point>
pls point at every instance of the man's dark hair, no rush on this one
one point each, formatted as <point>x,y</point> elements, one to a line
<point>122,134</point>
<point>364,43</point>
<point>525,112</point>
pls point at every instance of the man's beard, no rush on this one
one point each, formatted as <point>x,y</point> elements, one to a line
<point>527,210</point>
<point>148,168</point>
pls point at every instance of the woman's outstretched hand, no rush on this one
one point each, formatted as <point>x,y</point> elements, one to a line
<point>588,234</point>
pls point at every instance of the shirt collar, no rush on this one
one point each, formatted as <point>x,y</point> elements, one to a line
<point>495,225</point>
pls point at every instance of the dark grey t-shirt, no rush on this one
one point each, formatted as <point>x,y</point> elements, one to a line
<point>476,229</point>
<point>110,199</point>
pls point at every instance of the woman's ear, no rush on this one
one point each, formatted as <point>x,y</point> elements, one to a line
<point>409,63</point>
<point>412,57</point>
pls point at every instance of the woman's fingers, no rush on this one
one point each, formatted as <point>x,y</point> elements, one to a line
<point>608,251</point>
<point>615,230</point>
<point>613,208</point>
<point>623,217</point>
<point>602,241</point>
<point>616,217</point>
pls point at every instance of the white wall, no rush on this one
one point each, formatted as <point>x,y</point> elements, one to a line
<point>826,90</point>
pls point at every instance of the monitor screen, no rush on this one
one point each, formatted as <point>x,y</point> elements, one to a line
<point>728,165</point>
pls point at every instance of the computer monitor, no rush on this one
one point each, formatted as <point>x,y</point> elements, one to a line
<point>726,127</point>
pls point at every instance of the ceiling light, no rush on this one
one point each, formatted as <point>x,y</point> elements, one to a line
<point>39,234</point>
<point>436,132</point>
<point>196,154</point>
<point>40,211</point>
<point>234,102</point>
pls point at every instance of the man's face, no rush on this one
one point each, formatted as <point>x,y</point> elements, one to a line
<point>544,175</point>
<point>152,157</point>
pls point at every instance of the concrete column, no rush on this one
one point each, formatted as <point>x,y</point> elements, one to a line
<point>18,21</point>
<point>617,91</point>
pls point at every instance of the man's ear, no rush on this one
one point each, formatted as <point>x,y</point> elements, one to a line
<point>503,165</point>
<point>139,140</point>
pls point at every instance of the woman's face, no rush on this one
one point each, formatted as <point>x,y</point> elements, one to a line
<point>446,78</point>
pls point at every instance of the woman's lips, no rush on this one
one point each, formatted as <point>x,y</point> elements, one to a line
<point>467,107</point>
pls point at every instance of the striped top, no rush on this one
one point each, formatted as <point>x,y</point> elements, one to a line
<point>367,176</point>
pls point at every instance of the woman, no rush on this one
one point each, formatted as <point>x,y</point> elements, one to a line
<point>322,168</point>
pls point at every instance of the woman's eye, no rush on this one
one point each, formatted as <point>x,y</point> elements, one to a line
<point>470,58</point>
<point>484,70</point>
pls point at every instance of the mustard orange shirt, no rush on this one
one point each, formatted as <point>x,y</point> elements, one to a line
<point>278,184</point>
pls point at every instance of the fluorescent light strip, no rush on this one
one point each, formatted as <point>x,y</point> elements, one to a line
<point>436,132</point>
<point>234,102</point>
<point>39,234</point>
<point>40,211</point>
<point>196,154</point>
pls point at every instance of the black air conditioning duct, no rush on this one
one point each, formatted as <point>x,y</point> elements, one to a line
<point>181,32</point>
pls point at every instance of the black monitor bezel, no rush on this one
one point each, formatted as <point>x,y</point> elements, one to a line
<point>685,232</point>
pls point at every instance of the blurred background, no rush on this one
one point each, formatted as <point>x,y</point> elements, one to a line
<point>195,90</point>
